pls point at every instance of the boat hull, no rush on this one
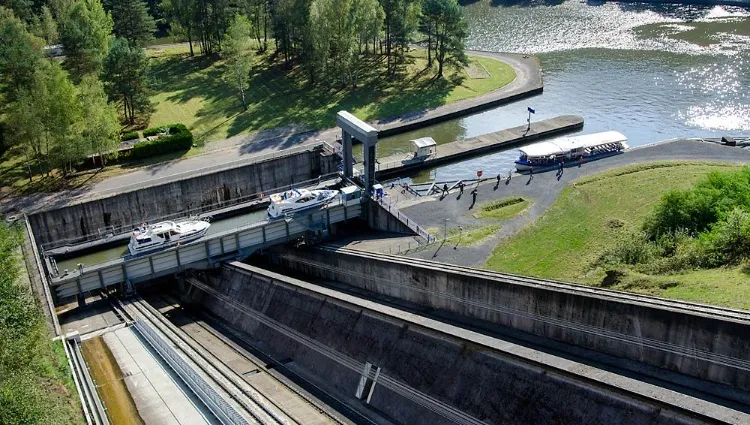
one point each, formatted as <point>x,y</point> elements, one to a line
<point>135,251</point>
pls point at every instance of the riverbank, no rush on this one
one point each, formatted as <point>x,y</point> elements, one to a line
<point>243,148</point>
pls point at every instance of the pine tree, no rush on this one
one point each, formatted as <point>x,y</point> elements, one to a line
<point>132,21</point>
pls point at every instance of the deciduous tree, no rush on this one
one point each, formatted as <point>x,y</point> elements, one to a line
<point>20,54</point>
<point>85,33</point>
<point>237,51</point>
<point>100,127</point>
<point>181,17</point>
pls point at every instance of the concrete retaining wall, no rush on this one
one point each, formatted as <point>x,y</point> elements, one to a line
<point>712,345</point>
<point>488,385</point>
<point>379,218</point>
<point>182,197</point>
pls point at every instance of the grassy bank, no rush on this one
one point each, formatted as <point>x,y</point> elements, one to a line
<point>590,216</point>
<point>35,383</point>
<point>191,91</point>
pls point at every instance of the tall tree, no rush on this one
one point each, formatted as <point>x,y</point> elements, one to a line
<point>45,27</point>
<point>368,21</point>
<point>20,54</point>
<point>401,20</point>
<point>125,78</point>
<point>101,126</point>
<point>237,51</point>
<point>132,21</point>
<point>85,33</point>
<point>43,120</point>
<point>181,16</point>
<point>449,33</point>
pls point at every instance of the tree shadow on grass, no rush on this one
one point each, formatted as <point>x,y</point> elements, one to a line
<point>280,97</point>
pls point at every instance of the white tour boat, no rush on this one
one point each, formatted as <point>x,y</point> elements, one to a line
<point>296,200</point>
<point>571,149</point>
<point>167,233</point>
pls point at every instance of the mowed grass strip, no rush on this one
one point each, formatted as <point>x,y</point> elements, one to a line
<point>191,90</point>
<point>593,212</point>
<point>467,236</point>
<point>503,209</point>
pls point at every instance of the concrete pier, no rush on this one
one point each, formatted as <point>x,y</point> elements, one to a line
<point>462,149</point>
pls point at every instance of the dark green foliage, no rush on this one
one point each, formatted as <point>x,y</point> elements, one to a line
<point>20,54</point>
<point>35,385</point>
<point>178,138</point>
<point>125,79</point>
<point>130,135</point>
<point>706,226</point>
<point>85,30</point>
<point>695,210</point>
<point>131,21</point>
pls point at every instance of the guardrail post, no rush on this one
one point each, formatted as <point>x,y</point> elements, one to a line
<point>151,263</point>
<point>101,280</point>
<point>221,244</point>
<point>264,236</point>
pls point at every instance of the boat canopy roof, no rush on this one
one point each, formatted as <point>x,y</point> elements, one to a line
<point>424,142</point>
<point>566,144</point>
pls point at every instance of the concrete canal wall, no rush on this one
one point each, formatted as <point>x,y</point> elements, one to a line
<point>174,199</point>
<point>477,381</point>
<point>703,342</point>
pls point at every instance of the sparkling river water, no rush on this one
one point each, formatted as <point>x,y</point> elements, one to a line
<point>652,72</point>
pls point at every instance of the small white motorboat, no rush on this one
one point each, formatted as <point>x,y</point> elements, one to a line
<point>296,200</point>
<point>149,238</point>
<point>570,149</point>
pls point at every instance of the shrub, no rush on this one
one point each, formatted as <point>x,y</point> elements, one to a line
<point>178,138</point>
<point>697,209</point>
<point>130,135</point>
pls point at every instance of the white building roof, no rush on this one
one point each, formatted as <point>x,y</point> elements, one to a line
<point>424,142</point>
<point>566,144</point>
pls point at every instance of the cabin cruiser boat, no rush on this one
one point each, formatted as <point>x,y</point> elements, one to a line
<point>149,238</point>
<point>296,200</point>
<point>571,149</point>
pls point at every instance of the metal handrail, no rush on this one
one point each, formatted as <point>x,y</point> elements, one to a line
<point>217,404</point>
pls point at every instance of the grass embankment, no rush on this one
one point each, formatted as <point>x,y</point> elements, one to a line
<point>466,236</point>
<point>191,91</point>
<point>35,383</point>
<point>503,209</point>
<point>590,216</point>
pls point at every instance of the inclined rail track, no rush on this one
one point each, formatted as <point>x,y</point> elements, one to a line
<point>436,406</point>
<point>253,404</point>
<point>546,368</point>
<point>261,368</point>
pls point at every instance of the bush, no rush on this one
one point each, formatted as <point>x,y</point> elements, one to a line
<point>697,209</point>
<point>130,135</point>
<point>178,138</point>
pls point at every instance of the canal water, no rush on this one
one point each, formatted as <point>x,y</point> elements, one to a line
<point>122,250</point>
<point>652,72</point>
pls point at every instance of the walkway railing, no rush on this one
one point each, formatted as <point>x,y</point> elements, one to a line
<point>403,218</point>
<point>196,383</point>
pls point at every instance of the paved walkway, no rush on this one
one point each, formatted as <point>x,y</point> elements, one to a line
<point>543,190</point>
<point>234,149</point>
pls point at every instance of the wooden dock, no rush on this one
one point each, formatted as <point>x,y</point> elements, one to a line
<point>483,144</point>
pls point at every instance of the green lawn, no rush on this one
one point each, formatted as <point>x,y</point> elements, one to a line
<point>588,217</point>
<point>503,209</point>
<point>191,91</point>
<point>466,237</point>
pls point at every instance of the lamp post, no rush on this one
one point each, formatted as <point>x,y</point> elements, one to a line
<point>445,230</point>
